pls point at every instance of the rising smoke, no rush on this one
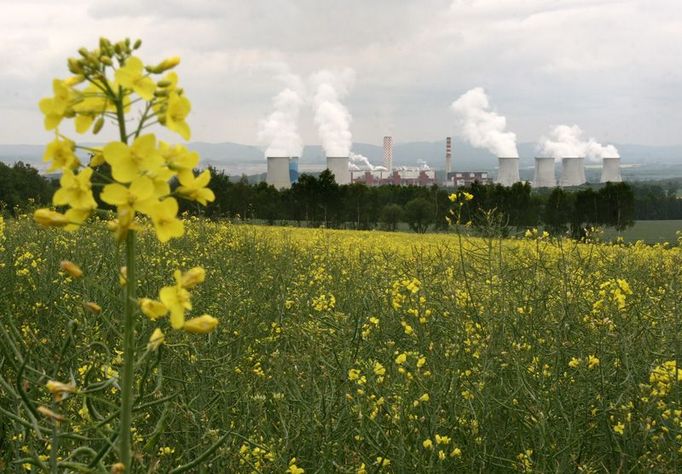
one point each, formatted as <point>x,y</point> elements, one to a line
<point>361,162</point>
<point>482,127</point>
<point>331,116</point>
<point>567,142</point>
<point>280,129</point>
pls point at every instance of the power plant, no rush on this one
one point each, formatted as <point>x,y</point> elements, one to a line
<point>545,176</point>
<point>278,172</point>
<point>572,171</point>
<point>610,171</point>
<point>508,170</point>
<point>339,166</point>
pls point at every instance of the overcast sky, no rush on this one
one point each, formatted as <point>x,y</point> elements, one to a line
<point>614,67</point>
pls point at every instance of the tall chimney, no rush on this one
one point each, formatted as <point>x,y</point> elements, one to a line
<point>572,171</point>
<point>507,170</point>
<point>448,156</point>
<point>388,153</point>
<point>610,170</point>
<point>544,173</point>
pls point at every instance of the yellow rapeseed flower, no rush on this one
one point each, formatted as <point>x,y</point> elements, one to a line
<point>164,218</point>
<point>177,300</point>
<point>129,162</point>
<point>60,154</point>
<point>427,443</point>
<point>192,277</point>
<point>194,188</point>
<point>157,338</point>
<point>153,309</point>
<point>76,190</point>
<point>131,76</point>
<point>49,218</point>
<point>592,361</point>
<point>60,390</point>
<point>177,110</point>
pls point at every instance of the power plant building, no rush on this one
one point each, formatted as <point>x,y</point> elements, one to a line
<point>278,172</point>
<point>399,177</point>
<point>610,171</point>
<point>545,176</point>
<point>466,178</point>
<point>572,171</point>
<point>508,170</point>
<point>338,165</point>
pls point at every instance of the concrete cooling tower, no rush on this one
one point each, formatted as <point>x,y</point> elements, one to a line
<point>572,172</point>
<point>610,171</point>
<point>339,166</point>
<point>278,172</point>
<point>544,173</point>
<point>507,171</point>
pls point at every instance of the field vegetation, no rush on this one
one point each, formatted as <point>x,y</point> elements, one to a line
<point>350,352</point>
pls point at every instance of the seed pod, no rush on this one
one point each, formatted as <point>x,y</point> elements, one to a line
<point>98,125</point>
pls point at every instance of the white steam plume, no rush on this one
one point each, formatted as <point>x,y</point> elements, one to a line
<point>331,116</point>
<point>567,142</point>
<point>358,162</point>
<point>423,165</point>
<point>280,129</point>
<point>482,127</point>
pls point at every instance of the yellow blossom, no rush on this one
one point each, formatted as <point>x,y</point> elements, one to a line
<point>60,154</point>
<point>93,307</point>
<point>192,277</point>
<point>153,309</point>
<point>60,390</point>
<point>129,162</point>
<point>49,218</point>
<point>401,359</point>
<point>156,339</point>
<point>194,188</point>
<point>76,190</point>
<point>427,443</point>
<point>166,224</point>
<point>177,300</point>
<point>178,108</point>
<point>201,325</point>
<point>131,76</point>
<point>592,362</point>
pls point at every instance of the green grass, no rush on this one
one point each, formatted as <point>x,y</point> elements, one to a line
<point>649,231</point>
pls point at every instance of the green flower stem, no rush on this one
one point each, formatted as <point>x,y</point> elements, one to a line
<point>125,436</point>
<point>128,355</point>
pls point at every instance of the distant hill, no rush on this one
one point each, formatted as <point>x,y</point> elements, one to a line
<point>237,159</point>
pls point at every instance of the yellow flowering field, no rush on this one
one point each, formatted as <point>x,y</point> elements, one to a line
<point>342,351</point>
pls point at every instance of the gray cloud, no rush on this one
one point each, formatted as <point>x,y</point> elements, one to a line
<point>611,66</point>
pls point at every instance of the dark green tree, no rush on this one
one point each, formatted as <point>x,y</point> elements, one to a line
<point>419,214</point>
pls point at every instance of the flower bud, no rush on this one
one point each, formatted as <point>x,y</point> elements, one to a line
<point>192,277</point>
<point>106,60</point>
<point>48,218</point>
<point>95,130</point>
<point>46,412</point>
<point>165,65</point>
<point>84,52</point>
<point>157,338</point>
<point>71,268</point>
<point>93,307</point>
<point>163,83</point>
<point>60,390</point>
<point>138,43</point>
<point>161,93</point>
<point>73,80</point>
<point>75,66</point>
<point>201,325</point>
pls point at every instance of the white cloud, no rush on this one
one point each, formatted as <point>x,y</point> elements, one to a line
<point>611,66</point>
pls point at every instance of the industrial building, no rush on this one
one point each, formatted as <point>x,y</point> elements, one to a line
<point>404,176</point>
<point>466,178</point>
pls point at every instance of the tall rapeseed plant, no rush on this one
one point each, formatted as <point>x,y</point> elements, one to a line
<point>107,85</point>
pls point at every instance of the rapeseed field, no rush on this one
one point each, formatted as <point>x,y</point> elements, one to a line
<point>345,351</point>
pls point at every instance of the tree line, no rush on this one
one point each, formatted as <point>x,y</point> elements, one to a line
<point>319,200</point>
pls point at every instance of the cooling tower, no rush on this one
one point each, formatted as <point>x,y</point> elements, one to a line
<point>507,171</point>
<point>544,173</point>
<point>388,153</point>
<point>278,172</point>
<point>339,166</point>
<point>293,169</point>
<point>610,170</point>
<point>448,155</point>
<point>572,172</point>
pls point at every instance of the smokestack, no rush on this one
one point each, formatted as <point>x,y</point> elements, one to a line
<point>544,173</point>
<point>388,153</point>
<point>572,171</point>
<point>339,166</point>
<point>610,171</point>
<point>278,172</point>
<point>448,155</point>
<point>507,171</point>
